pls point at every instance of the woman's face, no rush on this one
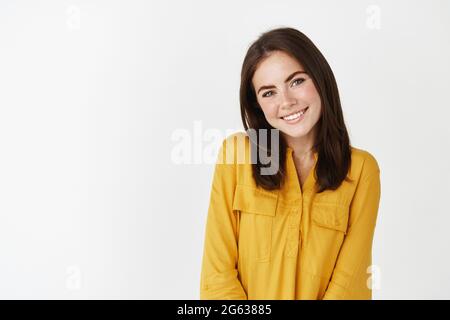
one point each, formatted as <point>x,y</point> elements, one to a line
<point>284,91</point>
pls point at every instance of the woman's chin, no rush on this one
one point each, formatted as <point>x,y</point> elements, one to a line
<point>294,132</point>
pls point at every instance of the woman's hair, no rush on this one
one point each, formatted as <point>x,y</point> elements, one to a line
<point>332,142</point>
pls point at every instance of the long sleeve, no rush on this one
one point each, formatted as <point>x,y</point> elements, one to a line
<point>350,276</point>
<point>219,275</point>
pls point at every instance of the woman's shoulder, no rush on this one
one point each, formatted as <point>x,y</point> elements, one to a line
<point>240,135</point>
<point>364,162</point>
<point>235,148</point>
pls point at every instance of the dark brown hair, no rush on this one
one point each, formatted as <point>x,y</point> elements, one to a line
<point>332,142</point>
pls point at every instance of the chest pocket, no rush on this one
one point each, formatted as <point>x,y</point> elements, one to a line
<point>325,237</point>
<point>331,216</point>
<point>257,213</point>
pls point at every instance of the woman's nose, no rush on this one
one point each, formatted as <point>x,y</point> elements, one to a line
<point>287,100</point>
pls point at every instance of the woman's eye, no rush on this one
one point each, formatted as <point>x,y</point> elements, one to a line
<point>265,94</point>
<point>299,80</point>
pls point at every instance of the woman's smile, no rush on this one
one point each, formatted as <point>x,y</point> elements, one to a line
<point>295,117</point>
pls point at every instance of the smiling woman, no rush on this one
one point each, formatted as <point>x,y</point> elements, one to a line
<point>306,231</point>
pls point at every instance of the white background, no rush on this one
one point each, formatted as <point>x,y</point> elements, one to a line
<point>92,204</point>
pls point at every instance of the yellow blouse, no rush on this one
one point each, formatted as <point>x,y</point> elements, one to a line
<point>288,243</point>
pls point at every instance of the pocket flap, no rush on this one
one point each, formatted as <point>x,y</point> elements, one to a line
<point>252,200</point>
<point>330,215</point>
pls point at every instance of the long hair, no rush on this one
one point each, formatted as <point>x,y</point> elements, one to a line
<point>332,142</point>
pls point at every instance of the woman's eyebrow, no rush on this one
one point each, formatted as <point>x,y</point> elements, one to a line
<point>271,86</point>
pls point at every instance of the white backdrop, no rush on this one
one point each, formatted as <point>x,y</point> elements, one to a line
<point>93,94</point>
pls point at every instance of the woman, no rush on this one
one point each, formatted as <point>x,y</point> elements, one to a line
<point>306,230</point>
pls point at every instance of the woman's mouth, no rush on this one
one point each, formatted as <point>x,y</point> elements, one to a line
<point>295,117</point>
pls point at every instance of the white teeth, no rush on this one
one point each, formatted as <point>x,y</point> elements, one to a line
<point>294,116</point>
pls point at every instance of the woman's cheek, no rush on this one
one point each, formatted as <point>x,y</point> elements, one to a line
<point>304,93</point>
<point>269,110</point>
<point>311,92</point>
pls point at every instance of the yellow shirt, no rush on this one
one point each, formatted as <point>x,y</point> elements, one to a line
<point>288,243</point>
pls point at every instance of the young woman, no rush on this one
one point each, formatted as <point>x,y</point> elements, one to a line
<point>305,231</point>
